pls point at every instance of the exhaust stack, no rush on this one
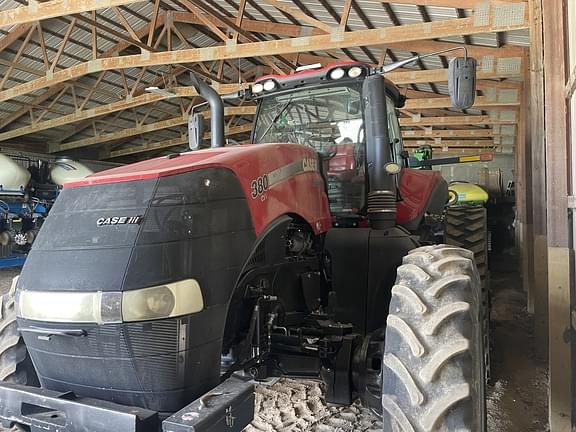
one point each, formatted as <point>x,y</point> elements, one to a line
<point>216,111</point>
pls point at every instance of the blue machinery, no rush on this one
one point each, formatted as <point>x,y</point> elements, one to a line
<point>19,224</point>
<point>28,188</point>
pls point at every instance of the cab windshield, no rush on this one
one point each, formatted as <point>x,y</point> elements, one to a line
<point>331,121</point>
<point>320,117</point>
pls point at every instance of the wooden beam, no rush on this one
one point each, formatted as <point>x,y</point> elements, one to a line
<point>559,218</point>
<point>14,34</point>
<point>448,28</point>
<point>91,91</point>
<point>445,102</point>
<point>116,34</point>
<point>85,115</point>
<point>506,119</point>
<point>52,103</point>
<point>125,23</point>
<point>94,36</point>
<point>153,21</point>
<point>300,16</point>
<point>56,88</point>
<point>456,4</point>
<point>244,36</point>
<point>55,8</point>
<point>482,143</point>
<point>460,4</point>
<point>172,142</point>
<point>85,124</point>
<point>538,141</point>
<point>62,45</point>
<point>422,47</point>
<point>140,129</point>
<point>523,195</point>
<point>206,21</point>
<point>453,133</point>
<point>239,18</point>
<point>125,133</point>
<point>345,15</point>
<point>82,115</point>
<point>43,45</point>
<point>17,57</point>
<point>144,99</point>
<point>463,151</point>
<point>441,75</point>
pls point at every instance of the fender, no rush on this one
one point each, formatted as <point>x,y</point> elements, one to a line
<point>420,191</point>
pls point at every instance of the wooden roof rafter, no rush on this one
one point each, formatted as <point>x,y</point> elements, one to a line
<point>244,35</point>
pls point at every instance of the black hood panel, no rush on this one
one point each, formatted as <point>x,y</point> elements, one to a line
<point>131,235</point>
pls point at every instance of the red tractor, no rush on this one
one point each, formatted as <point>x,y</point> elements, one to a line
<point>157,292</point>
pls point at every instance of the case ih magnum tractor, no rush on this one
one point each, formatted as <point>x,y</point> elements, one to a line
<point>155,291</point>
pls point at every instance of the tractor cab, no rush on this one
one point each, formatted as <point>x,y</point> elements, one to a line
<point>324,109</point>
<point>348,114</point>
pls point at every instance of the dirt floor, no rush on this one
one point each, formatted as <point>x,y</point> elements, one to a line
<point>518,398</point>
<point>517,401</point>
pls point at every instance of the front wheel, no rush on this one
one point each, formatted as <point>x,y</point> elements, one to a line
<point>433,368</point>
<point>15,364</point>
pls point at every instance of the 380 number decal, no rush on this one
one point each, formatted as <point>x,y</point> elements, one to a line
<point>259,185</point>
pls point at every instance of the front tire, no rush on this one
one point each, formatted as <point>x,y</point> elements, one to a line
<point>15,363</point>
<point>433,368</point>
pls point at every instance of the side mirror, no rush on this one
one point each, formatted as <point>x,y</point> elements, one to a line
<point>462,82</point>
<point>195,131</point>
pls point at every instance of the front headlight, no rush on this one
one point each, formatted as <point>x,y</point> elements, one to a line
<point>59,306</point>
<point>175,299</point>
<point>164,301</point>
<point>337,73</point>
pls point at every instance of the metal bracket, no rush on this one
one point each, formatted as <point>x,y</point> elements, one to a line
<point>227,407</point>
<point>50,411</point>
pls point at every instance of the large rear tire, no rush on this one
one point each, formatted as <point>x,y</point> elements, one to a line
<point>467,227</point>
<point>433,377</point>
<point>15,363</point>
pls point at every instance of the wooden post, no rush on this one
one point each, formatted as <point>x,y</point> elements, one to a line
<point>523,176</point>
<point>559,232</point>
<point>538,180</point>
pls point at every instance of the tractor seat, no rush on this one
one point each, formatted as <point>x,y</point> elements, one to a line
<point>343,164</point>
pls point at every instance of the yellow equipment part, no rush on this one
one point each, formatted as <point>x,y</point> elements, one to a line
<point>462,193</point>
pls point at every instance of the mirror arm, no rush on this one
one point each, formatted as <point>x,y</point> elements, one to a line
<point>240,94</point>
<point>195,107</point>
<point>399,64</point>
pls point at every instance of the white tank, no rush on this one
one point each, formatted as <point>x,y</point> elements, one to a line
<point>13,177</point>
<point>65,170</point>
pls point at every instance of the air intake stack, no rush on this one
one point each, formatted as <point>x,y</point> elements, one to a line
<point>382,191</point>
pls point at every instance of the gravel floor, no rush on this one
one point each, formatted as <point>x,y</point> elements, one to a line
<point>517,401</point>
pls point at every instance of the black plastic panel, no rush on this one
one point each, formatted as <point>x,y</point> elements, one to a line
<point>363,266</point>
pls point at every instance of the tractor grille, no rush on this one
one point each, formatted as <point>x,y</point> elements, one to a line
<point>160,365</point>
